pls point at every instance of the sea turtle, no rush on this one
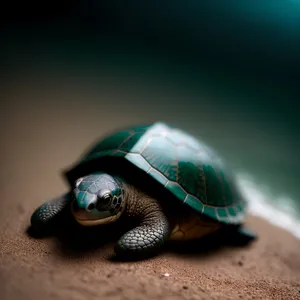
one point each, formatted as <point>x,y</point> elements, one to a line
<point>173,185</point>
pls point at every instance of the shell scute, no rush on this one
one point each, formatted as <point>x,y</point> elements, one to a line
<point>158,176</point>
<point>194,203</point>
<point>111,142</point>
<point>131,141</point>
<point>161,155</point>
<point>176,190</point>
<point>138,161</point>
<point>186,166</point>
<point>210,211</point>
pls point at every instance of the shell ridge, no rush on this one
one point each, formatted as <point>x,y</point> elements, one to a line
<point>148,150</point>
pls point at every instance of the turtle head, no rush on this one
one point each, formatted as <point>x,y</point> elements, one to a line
<point>97,199</point>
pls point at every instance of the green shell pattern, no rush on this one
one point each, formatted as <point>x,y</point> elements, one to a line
<point>184,165</point>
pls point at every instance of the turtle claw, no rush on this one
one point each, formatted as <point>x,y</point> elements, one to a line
<point>48,212</point>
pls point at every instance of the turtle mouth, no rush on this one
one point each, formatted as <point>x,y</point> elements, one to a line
<point>95,222</point>
<point>88,219</point>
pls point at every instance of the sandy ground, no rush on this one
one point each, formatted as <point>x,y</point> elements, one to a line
<point>49,269</point>
<point>37,142</point>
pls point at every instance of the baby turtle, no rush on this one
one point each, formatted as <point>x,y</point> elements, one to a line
<point>174,186</point>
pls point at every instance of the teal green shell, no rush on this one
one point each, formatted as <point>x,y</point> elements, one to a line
<point>185,166</point>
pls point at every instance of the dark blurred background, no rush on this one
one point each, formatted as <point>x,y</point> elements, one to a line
<point>226,71</point>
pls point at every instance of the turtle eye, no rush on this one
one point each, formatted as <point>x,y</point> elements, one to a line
<point>104,200</point>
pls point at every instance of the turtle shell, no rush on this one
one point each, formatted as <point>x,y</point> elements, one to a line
<point>179,162</point>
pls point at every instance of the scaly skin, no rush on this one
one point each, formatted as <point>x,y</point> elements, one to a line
<point>48,212</point>
<point>156,221</point>
<point>152,230</point>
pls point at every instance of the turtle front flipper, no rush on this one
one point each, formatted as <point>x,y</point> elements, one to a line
<point>48,212</point>
<point>149,236</point>
<point>142,241</point>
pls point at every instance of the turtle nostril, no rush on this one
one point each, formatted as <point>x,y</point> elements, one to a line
<point>91,206</point>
